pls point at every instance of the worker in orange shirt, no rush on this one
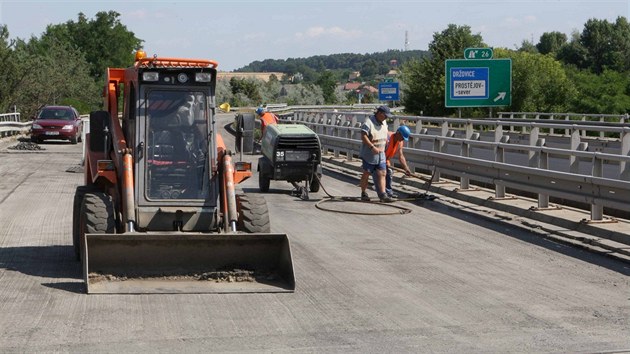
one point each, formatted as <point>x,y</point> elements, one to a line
<point>393,147</point>
<point>266,118</point>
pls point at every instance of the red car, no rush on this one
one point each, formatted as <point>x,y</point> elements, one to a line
<point>57,122</point>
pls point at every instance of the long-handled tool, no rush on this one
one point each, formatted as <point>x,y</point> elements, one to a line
<point>426,186</point>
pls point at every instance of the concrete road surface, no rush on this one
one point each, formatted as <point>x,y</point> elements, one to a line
<point>433,280</point>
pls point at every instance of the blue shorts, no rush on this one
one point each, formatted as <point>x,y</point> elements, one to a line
<point>373,167</point>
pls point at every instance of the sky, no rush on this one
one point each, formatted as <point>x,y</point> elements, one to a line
<point>238,32</point>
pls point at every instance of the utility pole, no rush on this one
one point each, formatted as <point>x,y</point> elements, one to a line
<point>406,41</point>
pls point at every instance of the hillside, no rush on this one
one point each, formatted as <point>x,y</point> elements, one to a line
<point>367,64</point>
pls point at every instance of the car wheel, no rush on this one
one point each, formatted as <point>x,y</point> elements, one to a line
<point>73,140</point>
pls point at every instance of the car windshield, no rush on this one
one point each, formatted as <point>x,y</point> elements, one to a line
<point>61,114</point>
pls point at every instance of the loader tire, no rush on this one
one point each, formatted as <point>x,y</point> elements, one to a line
<point>76,214</point>
<point>96,216</point>
<point>253,214</point>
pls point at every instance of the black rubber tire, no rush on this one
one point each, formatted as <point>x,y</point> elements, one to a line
<point>253,215</point>
<point>314,184</point>
<point>97,216</point>
<point>263,181</point>
<point>76,210</point>
<point>238,137</point>
<point>74,140</point>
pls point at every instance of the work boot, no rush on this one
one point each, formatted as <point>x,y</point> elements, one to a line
<point>386,199</point>
<point>365,197</point>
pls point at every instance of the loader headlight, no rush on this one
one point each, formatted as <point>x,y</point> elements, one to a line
<point>203,77</point>
<point>150,76</point>
<point>182,78</point>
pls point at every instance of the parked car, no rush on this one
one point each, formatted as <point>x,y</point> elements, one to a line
<point>57,122</point>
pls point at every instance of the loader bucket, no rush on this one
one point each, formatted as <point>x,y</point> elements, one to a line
<point>168,263</point>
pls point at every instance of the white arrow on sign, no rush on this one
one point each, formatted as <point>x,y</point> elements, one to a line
<point>500,96</point>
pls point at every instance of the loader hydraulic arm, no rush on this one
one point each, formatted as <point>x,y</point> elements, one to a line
<point>121,154</point>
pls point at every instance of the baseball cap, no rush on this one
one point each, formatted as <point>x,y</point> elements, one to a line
<point>385,110</point>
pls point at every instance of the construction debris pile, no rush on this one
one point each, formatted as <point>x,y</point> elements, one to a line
<point>26,145</point>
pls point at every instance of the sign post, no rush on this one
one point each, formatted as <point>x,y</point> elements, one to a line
<point>478,83</point>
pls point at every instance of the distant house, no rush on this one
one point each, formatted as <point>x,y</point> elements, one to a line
<point>351,86</point>
<point>369,89</point>
<point>354,75</point>
<point>392,73</point>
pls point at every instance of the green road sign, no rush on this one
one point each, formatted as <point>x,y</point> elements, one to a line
<point>478,83</point>
<point>478,53</point>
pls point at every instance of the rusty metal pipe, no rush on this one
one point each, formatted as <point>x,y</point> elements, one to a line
<point>228,177</point>
<point>128,195</point>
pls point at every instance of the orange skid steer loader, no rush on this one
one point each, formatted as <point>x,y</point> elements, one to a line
<point>159,212</point>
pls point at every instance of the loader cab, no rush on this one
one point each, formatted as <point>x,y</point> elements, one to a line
<point>174,125</point>
<point>177,141</point>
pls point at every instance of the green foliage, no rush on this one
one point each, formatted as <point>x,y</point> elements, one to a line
<point>11,72</point>
<point>574,53</point>
<point>303,94</point>
<point>528,47</point>
<point>539,83</point>
<point>328,83</point>
<point>551,42</point>
<point>51,72</point>
<point>601,45</point>
<point>607,93</point>
<point>104,40</point>
<point>424,93</point>
<point>245,92</point>
<point>340,65</point>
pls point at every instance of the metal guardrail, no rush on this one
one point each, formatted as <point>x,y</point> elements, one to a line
<point>447,145</point>
<point>10,124</point>
<point>616,118</point>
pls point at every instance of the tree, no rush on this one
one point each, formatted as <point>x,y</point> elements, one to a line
<point>539,82</point>
<point>104,41</point>
<point>246,92</point>
<point>601,45</point>
<point>606,93</point>
<point>60,75</point>
<point>528,46</point>
<point>304,94</point>
<point>551,42</point>
<point>10,71</point>
<point>424,78</point>
<point>574,53</point>
<point>328,83</point>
